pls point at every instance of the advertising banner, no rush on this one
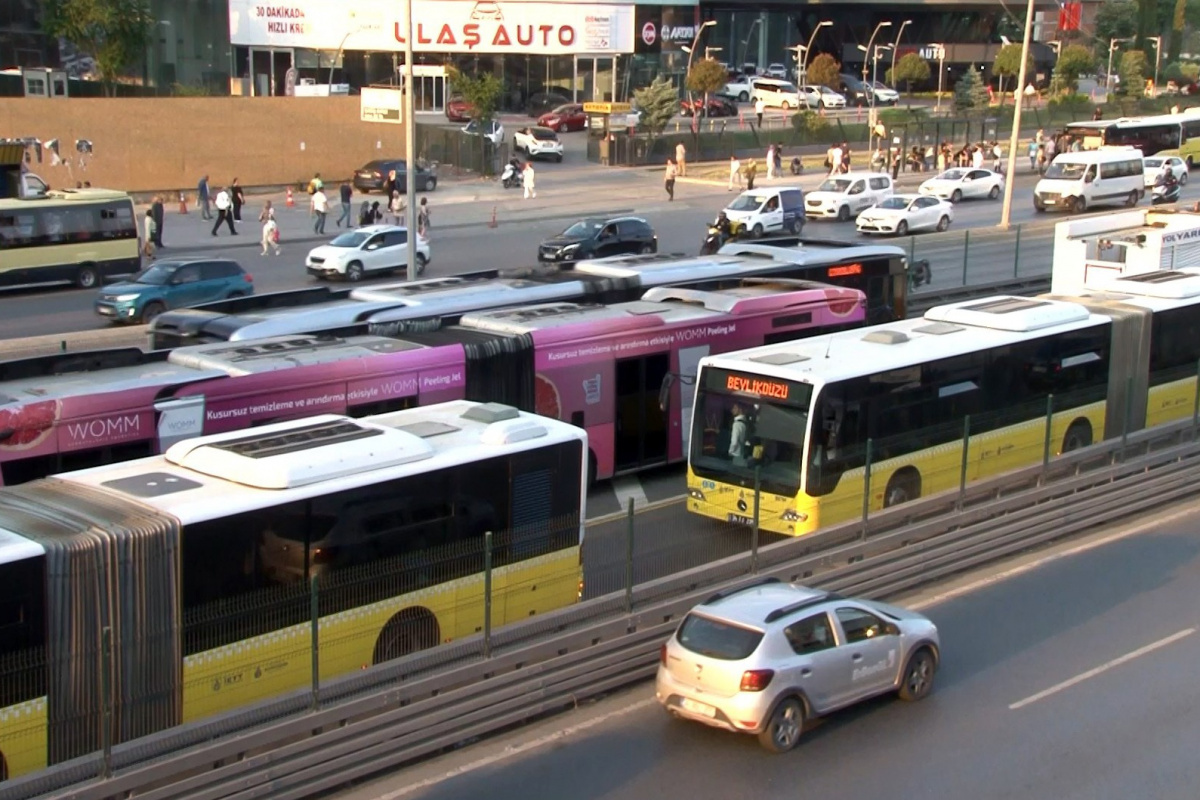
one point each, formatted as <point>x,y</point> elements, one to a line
<point>439,26</point>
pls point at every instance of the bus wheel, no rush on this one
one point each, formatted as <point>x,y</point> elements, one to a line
<point>3,768</point>
<point>1079,435</point>
<point>591,470</point>
<point>904,486</point>
<point>407,632</point>
<point>86,277</point>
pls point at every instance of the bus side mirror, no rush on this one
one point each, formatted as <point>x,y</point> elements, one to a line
<point>664,392</point>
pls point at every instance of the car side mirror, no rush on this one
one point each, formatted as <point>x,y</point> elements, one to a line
<point>372,246</point>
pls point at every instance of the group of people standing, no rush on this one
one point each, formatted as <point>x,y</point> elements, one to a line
<point>228,201</point>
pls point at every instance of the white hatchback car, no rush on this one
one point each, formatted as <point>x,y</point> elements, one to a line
<point>776,70</point>
<point>902,213</point>
<point>822,97</point>
<point>1156,165</point>
<point>763,658</point>
<point>494,132</point>
<point>964,182</point>
<point>374,249</point>
<point>842,197</point>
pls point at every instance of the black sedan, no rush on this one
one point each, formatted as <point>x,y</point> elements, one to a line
<point>373,176</point>
<point>597,237</point>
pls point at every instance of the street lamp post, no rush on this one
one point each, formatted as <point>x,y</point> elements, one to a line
<point>708,23</point>
<point>825,23</point>
<point>410,144</point>
<point>896,47</point>
<point>867,55</point>
<point>1157,52</point>
<point>940,49</point>
<point>1112,45</point>
<point>1014,137</point>
<point>746,42</point>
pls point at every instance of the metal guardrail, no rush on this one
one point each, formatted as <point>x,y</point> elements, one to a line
<point>599,647</point>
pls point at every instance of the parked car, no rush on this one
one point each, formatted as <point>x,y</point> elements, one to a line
<point>567,117</point>
<point>855,91</point>
<point>765,658</point>
<point>960,183</point>
<point>776,70</point>
<point>1154,166</point>
<point>492,130</point>
<point>776,94</point>
<point>538,142</point>
<point>597,237</point>
<point>378,249</point>
<point>815,96</point>
<point>458,110</point>
<point>740,88</point>
<point>372,176</point>
<point>884,94</point>
<point>718,106</point>
<point>543,102</point>
<point>902,213</point>
<point>844,196</point>
<point>174,283</point>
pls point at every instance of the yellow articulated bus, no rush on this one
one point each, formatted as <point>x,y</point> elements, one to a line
<point>806,420</point>
<point>184,581</point>
<point>78,236</point>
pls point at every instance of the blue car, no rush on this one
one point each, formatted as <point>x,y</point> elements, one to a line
<point>173,283</point>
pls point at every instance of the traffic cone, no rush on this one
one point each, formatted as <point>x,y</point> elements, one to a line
<point>182,204</point>
<point>290,202</point>
<point>492,221</point>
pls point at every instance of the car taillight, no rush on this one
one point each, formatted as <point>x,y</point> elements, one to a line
<point>755,680</point>
<point>662,654</point>
<point>249,278</point>
<point>326,555</point>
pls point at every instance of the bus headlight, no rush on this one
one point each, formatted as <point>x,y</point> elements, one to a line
<point>792,515</point>
<point>696,494</point>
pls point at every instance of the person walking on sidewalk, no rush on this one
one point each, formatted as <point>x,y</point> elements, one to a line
<point>238,197</point>
<point>669,180</point>
<point>778,159</point>
<point>156,209</point>
<point>346,195</point>
<point>759,108</point>
<point>771,161</point>
<point>202,198</point>
<point>751,172</point>
<point>680,159</point>
<point>528,180</point>
<point>151,233</point>
<point>735,173</point>
<point>224,213</point>
<point>423,218</point>
<point>320,209</point>
<point>270,230</point>
<point>997,156</point>
<point>268,212</point>
<point>397,206</point>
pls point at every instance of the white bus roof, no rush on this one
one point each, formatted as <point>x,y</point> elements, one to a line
<point>943,332</point>
<point>56,197</point>
<point>14,547</point>
<point>210,477</point>
<point>37,388</point>
<point>283,352</point>
<point>1159,290</point>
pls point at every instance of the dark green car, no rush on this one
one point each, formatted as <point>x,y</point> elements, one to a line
<point>174,283</point>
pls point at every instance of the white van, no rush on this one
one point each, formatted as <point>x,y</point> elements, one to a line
<point>777,94</point>
<point>842,196</point>
<point>762,211</point>
<point>1077,181</point>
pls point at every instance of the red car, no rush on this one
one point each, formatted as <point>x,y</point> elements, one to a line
<point>569,117</point>
<point>458,110</point>
<point>718,106</point>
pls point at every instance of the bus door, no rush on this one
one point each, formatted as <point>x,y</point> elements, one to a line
<point>641,426</point>
<point>689,367</point>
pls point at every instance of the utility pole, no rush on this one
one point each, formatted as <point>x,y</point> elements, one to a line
<point>410,143</point>
<point>1014,137</point>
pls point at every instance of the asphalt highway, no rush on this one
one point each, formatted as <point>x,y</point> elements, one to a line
<point>1066,674</point>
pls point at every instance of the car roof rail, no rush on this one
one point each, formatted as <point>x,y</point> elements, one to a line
<point>788,610</point>
<point>724,593</point>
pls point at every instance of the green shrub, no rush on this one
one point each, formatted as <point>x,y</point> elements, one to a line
<point>1079,105</point>
<point>811,125</point>
<point>901,116</point>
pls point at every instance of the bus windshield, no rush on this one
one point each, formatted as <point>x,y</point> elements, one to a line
<point>743,425</point>
<point>1066,171</point>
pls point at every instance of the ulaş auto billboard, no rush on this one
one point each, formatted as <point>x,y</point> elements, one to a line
<point>439,26</point>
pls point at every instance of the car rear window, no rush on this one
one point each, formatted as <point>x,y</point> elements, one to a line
<point>716,639</point>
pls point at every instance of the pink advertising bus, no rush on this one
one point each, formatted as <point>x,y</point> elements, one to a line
<point>602,368</point>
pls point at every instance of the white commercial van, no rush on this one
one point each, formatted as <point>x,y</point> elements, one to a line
<point>1077,181</point>
<point>777,94</point>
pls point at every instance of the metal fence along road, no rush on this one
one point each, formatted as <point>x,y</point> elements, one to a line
<point>310,741</point>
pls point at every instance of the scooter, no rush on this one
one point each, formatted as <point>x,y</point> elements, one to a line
<point>1163,193</point>
<point>919,273</point>
<point>511,177</point>
<point>714,238</point>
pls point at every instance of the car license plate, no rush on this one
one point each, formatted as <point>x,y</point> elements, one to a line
<point>1049,201</point>
<point>703,709</point>
<point>739,519</point>
<point>105,310</point>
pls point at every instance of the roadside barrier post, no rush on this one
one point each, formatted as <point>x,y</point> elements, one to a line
<point>754,528</point>
<point>314,613</point>
<point>1017,253</point>
<point>912,251</point>
<point>487,594</point>
<point>962,474</point>
<point>1125,418</point>
<point>106,737</point>
<point>1196,404</point>
<point>1046,441</point>
<point>866,503</point>
<point>966,253</point>
<point>629,558</point>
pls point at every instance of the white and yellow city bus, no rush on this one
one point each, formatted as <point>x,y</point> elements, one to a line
<point>805,420</point>
<point>197,567</point>
<point>78,236</point>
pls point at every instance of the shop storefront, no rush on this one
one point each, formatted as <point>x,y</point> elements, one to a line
<point>580,50</point>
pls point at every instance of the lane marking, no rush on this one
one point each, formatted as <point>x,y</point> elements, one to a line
<point>517,749</point>
<point>1105,667</point>
<point>626,488</point>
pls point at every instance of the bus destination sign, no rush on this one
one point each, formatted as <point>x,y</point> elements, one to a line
<point>762,387</point>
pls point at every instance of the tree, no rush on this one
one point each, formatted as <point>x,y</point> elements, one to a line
<point>1073,61</point>
<point>114,32</point>
<point>823,71</point>
<point>707,76</point>
<point>1008,63</point>
<point>1115,19</point>
<point>658,104</point>
<point>969,93</point>
<point>1133,73</point>
<point>910,69</point>
<point>482,96</point>
<point>1178,25</point>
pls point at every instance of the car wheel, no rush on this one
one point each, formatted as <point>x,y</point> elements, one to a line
<point>151,311</point>
<point>943,224</point>
<point>354,272</point>
<point>994,193</point>
<point>843,214</point>
<point>86,277</point>
<point>918,676</point>
<point>757,231</point>
<point>902,228</point>
<point>646,249</point>
<point>1189,162</point>
<point>562,127</point>
<point>1132,200</point>
<point>957,196</point>
<point>743,97</point>
<point>422,262</point>
<point>794,227</point>
<point>430,184</point>
<point>783,729</point>
<point>1183,179</point>
<point>1078,205</point>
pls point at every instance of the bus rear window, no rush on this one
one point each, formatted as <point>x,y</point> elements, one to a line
<point>716,639</point>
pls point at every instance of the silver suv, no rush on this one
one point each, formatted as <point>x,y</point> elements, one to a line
<point>765,657</point>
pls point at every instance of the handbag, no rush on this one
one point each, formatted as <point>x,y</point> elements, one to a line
<point>275,235</point>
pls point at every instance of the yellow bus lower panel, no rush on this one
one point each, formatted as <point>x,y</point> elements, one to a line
<point>24,737</point>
